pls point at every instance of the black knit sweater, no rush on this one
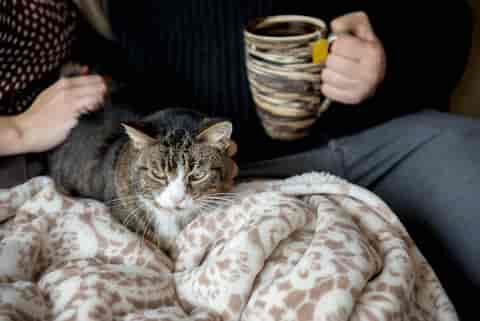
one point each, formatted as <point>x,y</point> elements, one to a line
<point>189,53</point>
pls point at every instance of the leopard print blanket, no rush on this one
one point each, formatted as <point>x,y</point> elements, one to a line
<point>311,247</point>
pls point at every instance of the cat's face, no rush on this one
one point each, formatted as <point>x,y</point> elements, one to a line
<point>178,172</point>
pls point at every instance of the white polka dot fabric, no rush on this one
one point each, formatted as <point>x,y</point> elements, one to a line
<point>35,39</point>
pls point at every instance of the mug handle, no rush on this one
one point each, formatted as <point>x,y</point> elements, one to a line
<point>327,101</point>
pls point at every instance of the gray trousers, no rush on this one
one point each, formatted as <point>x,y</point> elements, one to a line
<point>426,167</point>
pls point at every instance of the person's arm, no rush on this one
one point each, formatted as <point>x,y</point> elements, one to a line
<point>11,142</point>
<point>52,115</point>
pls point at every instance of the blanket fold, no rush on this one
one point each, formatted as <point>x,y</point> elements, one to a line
<point>310,247</point>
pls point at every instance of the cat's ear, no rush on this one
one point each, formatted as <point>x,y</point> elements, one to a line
<point>139,139</point>
<point>217,135</point>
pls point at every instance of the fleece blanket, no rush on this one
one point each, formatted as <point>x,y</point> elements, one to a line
<point>310,247</point>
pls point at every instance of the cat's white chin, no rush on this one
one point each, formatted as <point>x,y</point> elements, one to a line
<point>162,211</point>
<point>166,202</point>
<point>167,222</point>
<point>186,204</point>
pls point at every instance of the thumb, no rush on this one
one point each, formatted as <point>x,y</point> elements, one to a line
<point>356,23</point>
<point>232,148</point>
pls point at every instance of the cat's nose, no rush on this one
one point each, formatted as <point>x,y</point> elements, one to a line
<point>179,201</point>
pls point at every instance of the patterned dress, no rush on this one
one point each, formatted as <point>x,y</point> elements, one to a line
<point>36,37</point>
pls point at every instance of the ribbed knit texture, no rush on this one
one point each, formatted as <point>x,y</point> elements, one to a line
<point>189,53</point>
<point>195,49</point>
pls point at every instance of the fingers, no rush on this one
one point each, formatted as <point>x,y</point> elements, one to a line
<point>80,81</point>
<point>232,148</point>
<point>352,96</point>
<point>85,104</point>
<point>81,94</point>
<point>357,62</point>
<point>339,80</point>
<point>344,66</point>
<point>357,50</point>
<point>356,23</point>
<point>347,81</point>
<point>349,47</point>
<point>70,124</point>
<point>78,92</point>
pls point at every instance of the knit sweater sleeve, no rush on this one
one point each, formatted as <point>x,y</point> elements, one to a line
<point>427,45</point>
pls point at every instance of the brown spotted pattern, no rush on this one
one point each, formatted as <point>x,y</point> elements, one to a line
<point>311,247</point>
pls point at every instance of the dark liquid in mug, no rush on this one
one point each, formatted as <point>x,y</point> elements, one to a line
<point>285,29</point>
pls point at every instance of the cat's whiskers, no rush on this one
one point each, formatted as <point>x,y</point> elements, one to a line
<point>231,196</point>
<point>204,201</point>
<point>220,199</point>
<point>222,195</point>
<point>217,199</point>
<point>122,204</point>
<point>130,216</point>
<point>208,205</point>
<point>206,209</point>
<point>139,232</point>
<point>127,200</point>
<point>148,223</point>
<point>211,202</point>
<point>226,193</point>
<point>121,199</point>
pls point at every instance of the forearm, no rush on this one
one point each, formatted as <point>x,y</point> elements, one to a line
<point>11,138</point>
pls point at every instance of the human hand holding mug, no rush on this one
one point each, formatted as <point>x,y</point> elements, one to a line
<point>356,64</point>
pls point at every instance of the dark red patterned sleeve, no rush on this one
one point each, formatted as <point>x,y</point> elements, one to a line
<point>35,39</point>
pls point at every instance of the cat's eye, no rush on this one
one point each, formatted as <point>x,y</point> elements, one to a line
<point>199,176</point>
<point>159,176</point>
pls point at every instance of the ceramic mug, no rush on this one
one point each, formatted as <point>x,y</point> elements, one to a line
<point>285,55</point>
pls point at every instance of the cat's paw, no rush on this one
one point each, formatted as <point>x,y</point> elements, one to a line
<point>71,69</point>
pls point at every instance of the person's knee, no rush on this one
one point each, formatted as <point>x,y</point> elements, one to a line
<point>458,144</point>
<point>442,178</point>
<point>439,121</point>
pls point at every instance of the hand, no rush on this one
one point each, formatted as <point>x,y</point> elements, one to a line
<point>357,63</point>
<point>231,152</point>
<point>54,113</point>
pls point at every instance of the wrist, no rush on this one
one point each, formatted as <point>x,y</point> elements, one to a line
<point>19,134</point>
<point>10,137</point>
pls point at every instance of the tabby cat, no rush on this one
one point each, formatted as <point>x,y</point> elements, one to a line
<point>156,172</point>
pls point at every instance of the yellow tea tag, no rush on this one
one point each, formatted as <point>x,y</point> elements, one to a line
<point>320,51</point>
